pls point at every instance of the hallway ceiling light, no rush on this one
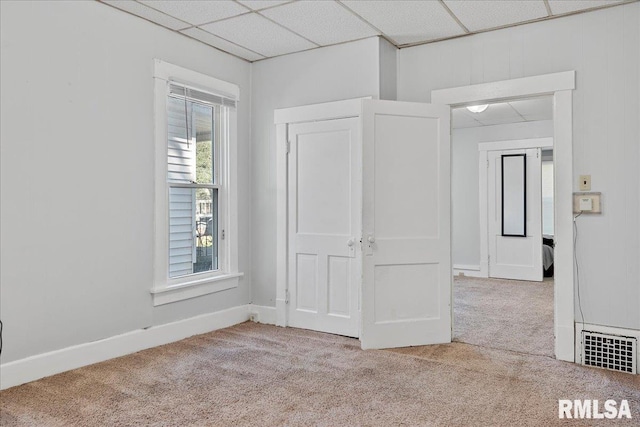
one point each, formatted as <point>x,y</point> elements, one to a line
<point>478,108</point>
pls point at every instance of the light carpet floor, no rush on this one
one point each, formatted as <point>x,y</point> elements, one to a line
<point>259,375</point>
<point>504,314</point>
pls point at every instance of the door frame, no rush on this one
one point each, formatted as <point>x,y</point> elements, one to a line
<point>560,86</point>
<point>483,211</point>
<point>282,118</point>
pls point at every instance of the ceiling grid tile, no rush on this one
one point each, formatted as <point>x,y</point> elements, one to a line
<point>198,12</point>
<point>407,22</point>
<point>150,14</point>
<point>260,29</point>
<point>222,44</point>
<point>323,22</point>
<point>258,34</point>
<point>486,14</point>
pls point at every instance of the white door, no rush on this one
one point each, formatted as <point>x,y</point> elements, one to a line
<point>515,239</point>
<point>406,288</point>
<point>324,197</point>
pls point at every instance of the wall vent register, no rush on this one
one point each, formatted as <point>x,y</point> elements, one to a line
<point>614,352</point>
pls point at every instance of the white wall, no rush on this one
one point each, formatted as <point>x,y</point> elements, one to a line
<point>388,70</point>
<point>603,48</point>
<point>77,173</point>
<point>465,224</point>
<point>320,75</point>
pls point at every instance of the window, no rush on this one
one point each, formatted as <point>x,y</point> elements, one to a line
<point>195,170</point>
<point>193,179</point>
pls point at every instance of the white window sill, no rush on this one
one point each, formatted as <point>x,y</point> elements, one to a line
<point>195,288</point>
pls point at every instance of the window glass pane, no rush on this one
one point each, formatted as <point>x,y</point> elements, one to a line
<point>181,228</point>
<point>180,150</point>
<point>193,233</point>
<point>190,142</point>
<point>203,124</point>
<point>206,230</point>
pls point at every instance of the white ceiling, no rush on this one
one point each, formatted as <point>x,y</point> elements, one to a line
<point>258,29</point>
<point>527,110</point>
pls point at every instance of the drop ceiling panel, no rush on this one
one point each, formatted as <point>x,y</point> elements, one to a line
<point>258,29</point>
<point>481,15</point>
<point>148,13</point>
<point>534,109</point>
<point>408,21</point>
<point>461,119</point>
<point>323,22</point>
<point>559,7</point>
<point>498,114</point>
<point>197,12</point>
<point>258,34</point>
<point>221,44</point>
<point>261,4</point>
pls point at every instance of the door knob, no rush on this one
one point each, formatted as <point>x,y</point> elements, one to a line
<point>350,242</point>
<point>371,239</point>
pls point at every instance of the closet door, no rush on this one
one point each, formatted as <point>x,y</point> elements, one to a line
<point>406,289</point>
<point>324,205</point>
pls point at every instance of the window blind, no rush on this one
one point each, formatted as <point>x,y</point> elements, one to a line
<point>182,91</point>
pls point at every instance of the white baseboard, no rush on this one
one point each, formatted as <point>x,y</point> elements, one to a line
<point>54,362</point>
<point>263,314</point>
<point>467,270</point>
<point>610,330</point>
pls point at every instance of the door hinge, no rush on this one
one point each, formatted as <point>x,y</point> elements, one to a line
<point>222,235</point>
<point>286,296</point>
<point>487,163</point>
<point>288,146</point>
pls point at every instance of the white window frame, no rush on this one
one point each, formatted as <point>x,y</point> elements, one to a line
<point>166,290</point>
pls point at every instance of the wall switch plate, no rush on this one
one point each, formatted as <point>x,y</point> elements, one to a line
<point>587,203</point>
<point>585,182</point>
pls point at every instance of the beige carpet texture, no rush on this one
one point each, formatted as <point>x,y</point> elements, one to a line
<point>505,314</point>
<point>259,375</point>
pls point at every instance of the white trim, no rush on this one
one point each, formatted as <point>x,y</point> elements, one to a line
<point>545,84</point>
<point>262,314</point>
<point>483,210</point>
<point>466,267</point>
<point>516,144</point>
<point>195,288</point>
<point>54,362</point>
<point>281,223</point>
<point>468,270</point>
<point>170,72</point>
<point>164,289</point>
<point>611,330</point>
<point>323,111</point>
<point>563,224</point>
<point>560,86</point>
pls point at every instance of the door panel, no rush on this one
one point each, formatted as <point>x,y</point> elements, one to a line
<point>514,257</point>
<point>406,290</point>
<point>324,197</point>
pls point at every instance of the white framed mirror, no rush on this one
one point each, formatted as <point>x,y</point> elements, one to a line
<point>514,195</point>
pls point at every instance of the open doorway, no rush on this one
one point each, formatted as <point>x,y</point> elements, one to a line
<point>560,87</point>
<point>502,225</point>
